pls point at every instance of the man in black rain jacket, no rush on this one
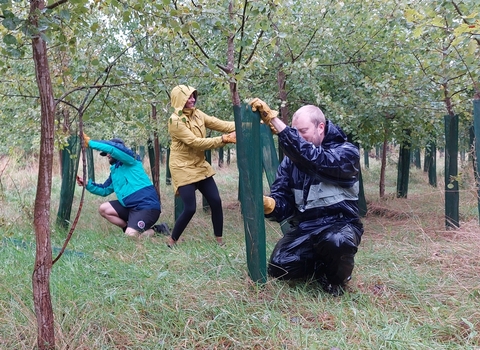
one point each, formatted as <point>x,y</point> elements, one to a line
<point>316,191</point>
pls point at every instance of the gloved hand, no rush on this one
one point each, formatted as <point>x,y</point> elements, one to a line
<point>268,204</point>
<point>230,138</point>
<point>86,140</point>
<point>266,113</point>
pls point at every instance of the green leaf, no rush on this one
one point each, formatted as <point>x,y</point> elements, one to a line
<point>10,23</point>
<point>126,16</point>
<point>417,32</point>
<point>65,15</point>
<point>94,27</point>
<point>9,39</point>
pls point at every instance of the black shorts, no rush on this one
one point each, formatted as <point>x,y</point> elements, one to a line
<point>139,220</point>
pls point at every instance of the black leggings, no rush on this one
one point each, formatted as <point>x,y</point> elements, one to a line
<point>209,189</point>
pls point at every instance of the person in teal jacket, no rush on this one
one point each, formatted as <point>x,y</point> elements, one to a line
<point>137,207</point>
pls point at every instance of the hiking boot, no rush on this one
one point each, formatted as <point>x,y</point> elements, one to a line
<point>161,229</point>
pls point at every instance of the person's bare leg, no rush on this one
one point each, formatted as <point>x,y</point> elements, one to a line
<point>147,233</point>
<point>130,232</point>
<point>108,212</point>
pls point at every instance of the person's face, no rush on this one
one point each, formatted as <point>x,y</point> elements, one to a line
<point>308,131</point>
<point>190,102</point>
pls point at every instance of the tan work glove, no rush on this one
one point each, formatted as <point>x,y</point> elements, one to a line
<point>266,113</point>
<point>268,204</point>
<point>230,138</point>
<point>86,140</point>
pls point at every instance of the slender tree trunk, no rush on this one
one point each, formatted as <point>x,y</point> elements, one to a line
<point>282,94</point>
<point>43,258</point>
<point>230,61</point>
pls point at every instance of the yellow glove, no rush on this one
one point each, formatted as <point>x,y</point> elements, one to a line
<point>266,113</point>
<point>268,204</point>
<point>229,138</point>
<point>86,140</point>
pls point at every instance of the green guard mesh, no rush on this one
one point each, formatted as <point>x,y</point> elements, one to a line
<point>249,160</point>
<point>70,156</point>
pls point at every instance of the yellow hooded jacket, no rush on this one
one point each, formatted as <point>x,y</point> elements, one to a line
<point>187,129</point>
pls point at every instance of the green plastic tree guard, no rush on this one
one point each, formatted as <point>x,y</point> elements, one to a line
<point>208,157</point>
<point>270,162</point>
<point>366,159</point>
<point>431,150</point>
<point>90,164</point>
<point>416,158</point>
<point>168,174</point>
<point>221,156</point>
<point>476,123</point>
<point>249,161</point>
<point>403,169</point>
<point>362,201</point>
<point>178,202</point>
<point>70,155</point>
<point>452,194</point>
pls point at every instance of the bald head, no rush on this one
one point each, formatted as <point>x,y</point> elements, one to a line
<point>312,112</point>
<point>310,123</point>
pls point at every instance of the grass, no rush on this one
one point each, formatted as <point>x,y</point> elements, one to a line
<point>415,285</point>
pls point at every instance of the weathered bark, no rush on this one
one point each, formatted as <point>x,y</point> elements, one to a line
<point>282,95</point>
<point>230,61</point>
<point>43,259</point>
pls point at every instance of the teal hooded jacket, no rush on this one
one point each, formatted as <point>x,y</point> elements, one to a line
<point>128,179</point>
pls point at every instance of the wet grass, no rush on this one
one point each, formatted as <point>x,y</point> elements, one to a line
<point>415,285</point>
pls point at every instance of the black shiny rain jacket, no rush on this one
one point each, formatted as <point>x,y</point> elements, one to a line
<point>317,186</point>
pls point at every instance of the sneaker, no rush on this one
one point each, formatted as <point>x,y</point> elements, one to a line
<point>161,229</point>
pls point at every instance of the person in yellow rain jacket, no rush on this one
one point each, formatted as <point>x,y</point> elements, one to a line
<point>189,168</point>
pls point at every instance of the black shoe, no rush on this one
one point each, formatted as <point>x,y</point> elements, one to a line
<point>335,290</point>
<point>161,229</point>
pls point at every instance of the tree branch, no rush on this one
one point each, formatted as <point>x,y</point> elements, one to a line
<point>242,31</point>
<point>56,4</point>
<point>464,20</point>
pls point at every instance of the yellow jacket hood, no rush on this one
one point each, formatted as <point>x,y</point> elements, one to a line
<point>180,95</point>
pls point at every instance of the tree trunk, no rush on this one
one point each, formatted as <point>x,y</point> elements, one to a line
<point>230,69</point>
<point>43,257</point>
<point>282,94</point>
